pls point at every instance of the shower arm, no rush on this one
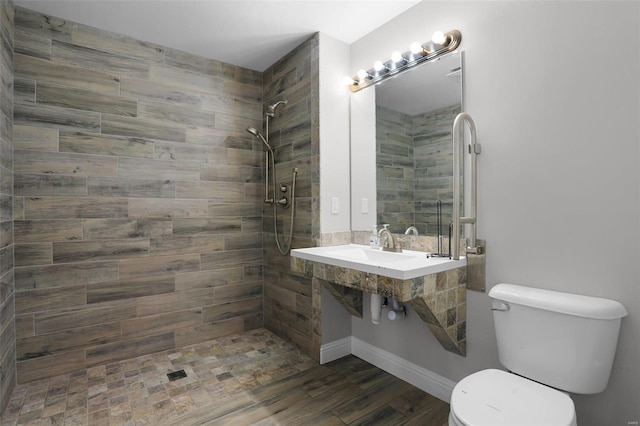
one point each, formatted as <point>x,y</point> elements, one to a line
<point>474,150</point>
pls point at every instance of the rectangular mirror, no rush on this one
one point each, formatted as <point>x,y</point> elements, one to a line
<point>401,149</point>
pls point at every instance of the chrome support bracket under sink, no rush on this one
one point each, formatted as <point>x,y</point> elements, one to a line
<point>476,267</point>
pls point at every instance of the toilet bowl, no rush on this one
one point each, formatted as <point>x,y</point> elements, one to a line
<point>551,342</point>
<point>497,398</point>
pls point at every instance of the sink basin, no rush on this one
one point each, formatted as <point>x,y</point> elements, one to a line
<point>406,265</point>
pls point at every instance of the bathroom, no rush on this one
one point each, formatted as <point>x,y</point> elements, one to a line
<point>553,88</point>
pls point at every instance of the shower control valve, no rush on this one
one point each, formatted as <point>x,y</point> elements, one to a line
<point>284,201</point>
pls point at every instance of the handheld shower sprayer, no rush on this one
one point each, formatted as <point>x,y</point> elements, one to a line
<point>257,134</point>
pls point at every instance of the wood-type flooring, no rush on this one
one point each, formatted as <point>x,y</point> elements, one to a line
<point>348,391</point>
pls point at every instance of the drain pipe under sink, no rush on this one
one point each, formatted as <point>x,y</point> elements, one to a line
<point>397,311</point>
<point>376,308</point>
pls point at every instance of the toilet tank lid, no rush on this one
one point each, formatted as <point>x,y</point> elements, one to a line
<point>555,301</point>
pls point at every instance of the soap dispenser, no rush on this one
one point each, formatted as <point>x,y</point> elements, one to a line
<point>374,241</point>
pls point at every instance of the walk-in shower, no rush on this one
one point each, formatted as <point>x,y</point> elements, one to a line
<point>285,189</point>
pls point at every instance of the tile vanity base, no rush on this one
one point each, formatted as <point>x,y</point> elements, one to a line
<point>439,299</point>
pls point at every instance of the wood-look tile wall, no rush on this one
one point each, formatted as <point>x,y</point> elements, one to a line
<point>7,287</point>
<point>414,169</point>
<point>138,213</point>
<point>395,202</point>
<point>433,157</point>
<point>292,303</point>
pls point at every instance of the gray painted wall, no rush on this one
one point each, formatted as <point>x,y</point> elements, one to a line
<point>558,174</point>
<point>335,319</point>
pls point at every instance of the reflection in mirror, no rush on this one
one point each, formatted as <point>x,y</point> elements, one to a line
<point>414,159</point>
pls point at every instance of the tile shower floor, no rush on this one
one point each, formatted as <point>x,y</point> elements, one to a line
<point>253,378</point>
<point>138,391</point>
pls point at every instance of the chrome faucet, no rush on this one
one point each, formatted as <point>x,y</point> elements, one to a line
<point>388,244</point>
<point>411,230</point>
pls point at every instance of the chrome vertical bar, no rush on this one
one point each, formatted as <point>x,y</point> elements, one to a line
<point>266,178</point>
<point>266,163</point>
<point>473,150</point>
<point>458,128</point>
<point>455,236</point>
<point>268,200</point>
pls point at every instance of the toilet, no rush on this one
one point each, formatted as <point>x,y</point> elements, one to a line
<point>552,343</point>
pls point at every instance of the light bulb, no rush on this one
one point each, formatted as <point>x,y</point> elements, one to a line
<point>362,74</point>
<point>438,37</point>
<point>348,81</point>
<point>416,48</point>
<point>378,66</point>
<point>397,57</point>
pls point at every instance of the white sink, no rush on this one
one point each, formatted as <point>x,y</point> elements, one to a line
<point>406,265</point>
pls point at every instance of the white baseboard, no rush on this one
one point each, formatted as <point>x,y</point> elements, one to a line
<point>335,350</point>
<point>420,377</point>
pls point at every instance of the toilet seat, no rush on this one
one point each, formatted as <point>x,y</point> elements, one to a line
<point>497,398</point>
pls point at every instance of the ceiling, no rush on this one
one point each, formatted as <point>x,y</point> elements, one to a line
<point>252,34</point>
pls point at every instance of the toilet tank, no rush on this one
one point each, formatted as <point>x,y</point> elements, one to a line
<point>566,341</point>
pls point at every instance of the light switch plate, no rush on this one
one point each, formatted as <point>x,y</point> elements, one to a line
<point>335,205</point>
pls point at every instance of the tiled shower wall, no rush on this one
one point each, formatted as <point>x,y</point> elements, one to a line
<point>138,213</point>
<point>394,170</point>
<point>7,288</point>
<point>414,168</point>
<point>433,158</point>
<point>292,304</point>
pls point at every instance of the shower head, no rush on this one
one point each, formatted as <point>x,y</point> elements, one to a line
<point>257,134</point>
<point>275,106</point>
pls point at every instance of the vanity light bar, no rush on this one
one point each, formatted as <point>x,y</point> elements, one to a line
<point>440,44</point>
